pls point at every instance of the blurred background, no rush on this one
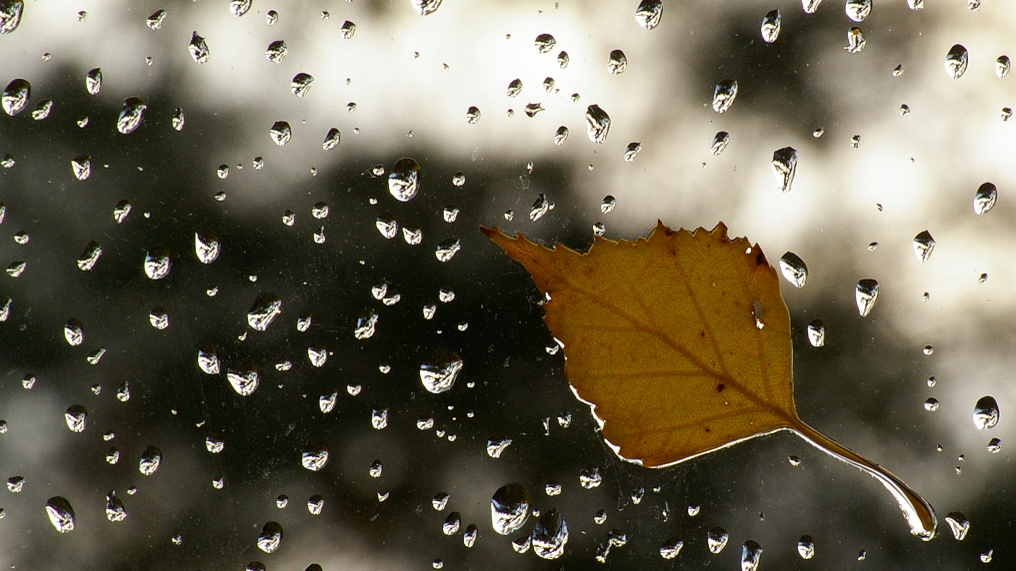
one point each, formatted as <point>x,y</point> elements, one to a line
<point>107,373</point>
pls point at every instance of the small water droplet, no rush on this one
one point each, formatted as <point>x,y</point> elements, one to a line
<point>315,457</point>
<point>244,380</point>
<point>984,198</point>
<point>76,417</point>
<point>548,84</point>
<point>865,295</point>
<point>1002,66</point>
<point>751,552</point>
<point>281,133</point>
<point>404,179</point>
<point>810,6</point>
<point>472,115</point>
<point>115,510</point>
<point>904,110</point>
<point>855,40</point>
<point>544,43</point>
<point>366,324</point>
<point>671,548</point>
<point>539,208</point>
<point>794,269</point>
<point>723,95</point>
<point>771,26</point>
<point>301,84</point>
<point>347,30</point>
<point>550,534</point>
<point>379,418</point>
<point>60,512</point>
<point>649,13</point>
<point>858,10</point>
<point>928,350</point>
<point>438,375</point>
<point>270,538</point>
<point>447,249</point>
<point>562,59</point>
<point>74,332</point>
<point>716,539</point>
<point>81,167</point>
<point>986,556</point>
<point>426,7</point>
<point>208,360</point>
<point>206,246</point>
<point>956,61</point>
<point>816,333</point>
<point>994,445</point>
<point>784,165</point>
<point>276,51</point>
<point>958,525</point>
<point>156,19</point>
<point>924,244</point>
<point>265,309</point>
<point>986,413</point>
<point>589,477</point>
<point>42,110</point>
<point>198,48</point>
<point>451,524</point>
<point>931,405</point>
<point>16,94</point>
<point>597,124</point>
<point>631,152</point>
<point>720,141</point>
<point>151,458</point>
<point>617,62</point>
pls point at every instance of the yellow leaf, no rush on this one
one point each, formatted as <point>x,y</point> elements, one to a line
<point>681,345</point>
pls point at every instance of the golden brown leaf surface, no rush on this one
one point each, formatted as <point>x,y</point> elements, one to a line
<point>681,344</point>
<point>660,336</point>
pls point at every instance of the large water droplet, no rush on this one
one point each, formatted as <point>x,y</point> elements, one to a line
<point>794,269</point>
<point>806,547</point>
<point>855,40</point>
<point>865,295</point>
<point>74,332</point>
<point>93,81</point>
<point>131,115</point>
<point>720,142</point>
<point>198,48</point>
<point>157,263</point>
<point>723,95</point>
<point>60,513</point>
<point>10,15</point>
<point>958,525</point>
<point>208,360</point>
<point>540,207</point>
<point>438,375</point>
<point>858,10</point>
<point>671,548</point>
<point>785,167</point>
<point>366,324</point>
<point>426,7</point>
<point>956,61</point>
<point>150,460</point>
<point>115,510</point>
<point>15,96</point>
<point>156,19</point>
<point>810,5</point>
<point>716,539</point>
<point>447,249</point>
<point>276,51</point>
<point>771,26</point>
<point>984,198</point>
<point>206,246</point>
<point>315,457</point>
<point>986,413</point>
<point>404,179</point>
<point>347,30</point>
<point>281,133</point>
<point>751,553</point>
<point>81,167</point>
<point>617,62</point>
<point>239,7</point>
<point>266,308</point>
<point>597,124</point>
<point>301,84</point>
<point>76,417</point>
<point>550,534</point>
<point>816,333</point>
<point>915,4</point>
<point>452,523</point>
<point>1002,66</point>
<point>544,43</point>
<point>924,244</point>
<point>509,508</point>
<point>88,258</point>
<point>648,13</point>
<point>270,538</point>
<point>244,380</point>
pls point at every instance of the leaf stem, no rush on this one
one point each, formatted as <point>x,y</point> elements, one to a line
<point>918,512</point>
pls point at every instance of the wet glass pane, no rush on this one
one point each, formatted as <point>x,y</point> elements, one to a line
<point>249,320</point>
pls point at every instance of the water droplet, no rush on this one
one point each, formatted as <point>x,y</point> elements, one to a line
<point>785,167</point>
<point>649,13</point>
<point>270,538</point>
<point>806,547</point>
<point>550,534</point>
<point>198,48</point>
<point>81,167</point>
<point>771,26</point>
<point>156,19</point>
<point>301,84</point>
<point>818,132</point>
<point>532,109</point>
<point>413,235</point>
<point>956,61</point>
<point>986,413</point>
<point>514,88</point>
<point>994,445</point>
<point>438,374</point>
<point>617,62</point>
<point>244,381</point>
<point>544,43</point>
<point>447,249</point>
<point>794,269</point>
<point>60,512</point>
<point>206,246</point>
<point>451,524</point>
<point>366,324</point>
<point>450,213</point>
<point>589,477</point>
<point>276,51</point>
<point>73,332</point>
<point>239,7</point>
<point>671,548</point>
<point>600,517</point>
<point>404,179</point>
<point>150,460</point>
<point>924,244</point>
<point>10,15</point>
<point>1002,66</point>
<point>816,333</point>
<point>208,360</point>
<point>931,405</point>
<point>509,508</point>
<point>76,417</point>
<point>984,198</point>
<point>16,94</point>
<point>720,141</point>
<point>855,40</point>
<point>810,5</point>
<point>472,115</point>
<point>131,115</point>
<point>93,81</point>
<point>958,525</point>
<point>904,110</point>
<point>632,151</point>
<point>318,356</point>
<point>858,10</point>
<point>115,510</point>
<point>379,418</point>
<point>540,207</point>
<point>751,552</point>
<point>42,110</point>
<point>716,539</point>
<point>426,7</point>
<point>495,446</point>
<point>266,308</point>
<point>723,95</point>
<point>597,124</point>
<point>123,392</point>
<point>562,60</point>
<point>315,457</point>
<point>214,444</point>
<point>608,204</point>
<point>281,133</point>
